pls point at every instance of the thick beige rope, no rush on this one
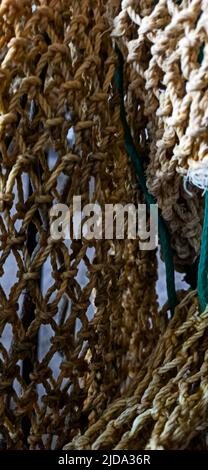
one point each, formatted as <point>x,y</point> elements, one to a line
<point>162,42</point>
<point>166,406</point>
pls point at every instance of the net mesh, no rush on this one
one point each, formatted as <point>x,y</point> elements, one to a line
<point>85,355</point>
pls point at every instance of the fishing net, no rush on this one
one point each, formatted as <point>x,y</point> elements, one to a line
<point>87,357</point>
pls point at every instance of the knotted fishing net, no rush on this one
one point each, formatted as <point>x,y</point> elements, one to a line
<point>88,359</point>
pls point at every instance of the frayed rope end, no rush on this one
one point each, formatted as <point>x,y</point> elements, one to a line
<point>197,174</point>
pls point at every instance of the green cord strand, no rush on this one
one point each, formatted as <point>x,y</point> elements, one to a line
<point>136,160</point>
<point>202,284</point>
<point>202,281</point>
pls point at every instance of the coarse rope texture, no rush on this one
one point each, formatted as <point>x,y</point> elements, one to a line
<point>87,359</point>
<point>165,46</point>
<point>166,406</point>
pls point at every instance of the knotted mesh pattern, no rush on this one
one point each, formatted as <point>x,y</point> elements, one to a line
<point>86,357</point>
<point>80,317</point>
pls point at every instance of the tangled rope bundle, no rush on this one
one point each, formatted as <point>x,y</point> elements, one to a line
<point>129,376</point>
<point>166,407</point>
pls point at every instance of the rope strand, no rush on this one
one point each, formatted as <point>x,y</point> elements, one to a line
<point>202,284</point>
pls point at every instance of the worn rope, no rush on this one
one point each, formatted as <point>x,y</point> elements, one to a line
<point>136,160</point>
<point>165,407</point>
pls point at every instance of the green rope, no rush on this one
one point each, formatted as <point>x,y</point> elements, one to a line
<point>202,280</point>
<point>136,160</point>
<point>202,283</point>
<point>200,56</point>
